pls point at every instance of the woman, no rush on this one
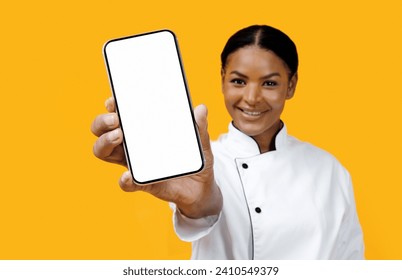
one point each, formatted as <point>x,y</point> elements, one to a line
<point>263,194</point>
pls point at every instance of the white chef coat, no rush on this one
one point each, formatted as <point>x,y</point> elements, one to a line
<point>295,202</point>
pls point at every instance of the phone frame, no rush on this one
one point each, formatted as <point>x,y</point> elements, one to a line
<point>195,127</point>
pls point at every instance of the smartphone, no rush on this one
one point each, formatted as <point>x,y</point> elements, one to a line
<point>161,138</point>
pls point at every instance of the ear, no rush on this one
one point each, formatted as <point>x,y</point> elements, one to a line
<point>222,77</point>
<point>292,86</point>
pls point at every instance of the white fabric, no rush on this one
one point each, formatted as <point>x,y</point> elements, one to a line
<point>304,194</point>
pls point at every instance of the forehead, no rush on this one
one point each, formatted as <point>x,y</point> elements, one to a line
<point>254,58</point>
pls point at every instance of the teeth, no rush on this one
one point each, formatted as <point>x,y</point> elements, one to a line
<point>252,113</point>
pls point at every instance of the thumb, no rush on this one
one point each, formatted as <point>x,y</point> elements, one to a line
<point>200,114</point>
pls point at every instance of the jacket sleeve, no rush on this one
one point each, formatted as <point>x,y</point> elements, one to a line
<point>350,244</point>
<point>190,230</point>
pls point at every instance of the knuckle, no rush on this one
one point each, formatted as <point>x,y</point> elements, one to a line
<point>93,127</point>
<point>96,151</point>
<point>126,187</point>
<point>96,126</point>
<point>126,183</point>
<point>99,146</point>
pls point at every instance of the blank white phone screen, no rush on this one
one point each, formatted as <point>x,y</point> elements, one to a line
<point>153,104</point>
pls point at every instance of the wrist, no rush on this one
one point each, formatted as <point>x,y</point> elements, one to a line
<point>209,204</point>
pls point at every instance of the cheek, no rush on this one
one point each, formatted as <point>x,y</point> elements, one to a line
<point>231,95</point>
<point>275,99</point>
<point>229,102</point>
<point>231,99</point>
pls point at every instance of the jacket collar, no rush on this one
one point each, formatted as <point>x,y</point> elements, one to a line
<point>245,146</point>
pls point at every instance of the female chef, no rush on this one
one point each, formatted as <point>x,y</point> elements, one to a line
<point>263,194</point>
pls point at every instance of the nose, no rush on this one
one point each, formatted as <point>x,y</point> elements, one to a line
<point>252,94</point>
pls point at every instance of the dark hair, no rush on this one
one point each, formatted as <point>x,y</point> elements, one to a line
<point>266,37</point>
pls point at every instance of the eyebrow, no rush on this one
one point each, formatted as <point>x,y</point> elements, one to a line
<point>262,78</point>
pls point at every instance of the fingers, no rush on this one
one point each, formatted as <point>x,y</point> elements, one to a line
<point>110,105</point>
<point>107,146</point>
<point>159,190</point>
<point>104,123</point>
<point>127,184</point>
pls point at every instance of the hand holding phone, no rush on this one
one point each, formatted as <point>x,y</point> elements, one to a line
<point>196,195</point>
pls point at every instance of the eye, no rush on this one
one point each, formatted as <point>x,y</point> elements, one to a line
<point>270,83</point>
<point>238,82</point>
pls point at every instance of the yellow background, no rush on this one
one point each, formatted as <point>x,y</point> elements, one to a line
<point>57,201</point>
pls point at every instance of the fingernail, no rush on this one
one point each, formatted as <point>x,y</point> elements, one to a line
<point>110,120</point>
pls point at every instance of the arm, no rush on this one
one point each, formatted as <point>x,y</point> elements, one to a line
<point>350,243</point>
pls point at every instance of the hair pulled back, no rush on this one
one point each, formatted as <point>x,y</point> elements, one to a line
<point>266,37</point>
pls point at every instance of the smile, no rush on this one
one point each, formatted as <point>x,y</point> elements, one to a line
<point>252,113</point>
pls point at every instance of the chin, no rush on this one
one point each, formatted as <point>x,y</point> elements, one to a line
<point>256,128</point>
<point>250,130</point>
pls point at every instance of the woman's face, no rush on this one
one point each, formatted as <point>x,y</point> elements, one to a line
<point>255,84</point>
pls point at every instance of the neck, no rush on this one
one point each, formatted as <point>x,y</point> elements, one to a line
<point>266,140</point>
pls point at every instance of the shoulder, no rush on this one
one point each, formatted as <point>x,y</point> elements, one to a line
<point>319,161</point>
<point>322,169</point>
<point>310,152</point>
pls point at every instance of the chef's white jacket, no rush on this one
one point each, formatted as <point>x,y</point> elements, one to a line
<point>292,203</point>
